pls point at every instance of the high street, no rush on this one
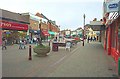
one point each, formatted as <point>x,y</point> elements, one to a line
<point>88,61</point>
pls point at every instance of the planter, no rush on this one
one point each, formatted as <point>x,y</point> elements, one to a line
<point>41,51</point>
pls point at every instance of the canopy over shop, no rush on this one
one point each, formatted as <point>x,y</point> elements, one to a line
<point>52,34</point>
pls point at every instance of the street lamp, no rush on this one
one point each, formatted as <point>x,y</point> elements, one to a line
<point>83,28</point>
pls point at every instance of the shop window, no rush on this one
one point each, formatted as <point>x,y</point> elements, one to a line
<point>118,45</point>
<point>113,35</point>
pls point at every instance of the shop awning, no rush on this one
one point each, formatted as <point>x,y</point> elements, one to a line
<point>51,33</point>
<point>45,33</point>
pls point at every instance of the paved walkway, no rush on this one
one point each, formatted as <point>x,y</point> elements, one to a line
<point>15,62</point>
<point>88,61</point>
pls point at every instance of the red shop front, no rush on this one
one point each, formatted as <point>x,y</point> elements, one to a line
<point>14,26</point>
<point>113,39</point>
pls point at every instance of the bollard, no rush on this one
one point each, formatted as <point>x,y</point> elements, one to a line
<point>30,57</point>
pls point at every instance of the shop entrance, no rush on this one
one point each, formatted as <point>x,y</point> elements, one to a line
<point>13,31</point>
<point>13,36</point>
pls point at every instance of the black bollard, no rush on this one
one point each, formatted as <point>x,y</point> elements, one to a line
<point>30,57</point>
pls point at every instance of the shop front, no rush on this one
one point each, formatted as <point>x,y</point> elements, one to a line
<point>12,31</point>
<point>112,21</point>
<point>13,26</point>
<point>44,35</point>
<point>52,35</point>
<point>113,39</point>
<point>0,36</point>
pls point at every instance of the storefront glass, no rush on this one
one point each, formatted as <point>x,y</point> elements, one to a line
<point>113,35</point>
<point>13,36</point>
<point>118,46</point>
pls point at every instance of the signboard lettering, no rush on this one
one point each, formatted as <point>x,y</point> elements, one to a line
<point>13,25</point>
<point>115,5</point>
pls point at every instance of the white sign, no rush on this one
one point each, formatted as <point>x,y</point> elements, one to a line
<point>67,32</point>
<point>74,33</point>
<point>113,6</point>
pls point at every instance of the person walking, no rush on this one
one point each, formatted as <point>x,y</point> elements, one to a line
<point>91,38</point>
<point>23,43</point>
<point>88,39</point>
<point>20,44</point>
<point>4,42</point>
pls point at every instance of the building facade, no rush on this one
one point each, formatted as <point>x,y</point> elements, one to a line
<point>111,39</point>
<point>48,26</point>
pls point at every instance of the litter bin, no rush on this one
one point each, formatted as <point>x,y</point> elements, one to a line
<point>55,47</point>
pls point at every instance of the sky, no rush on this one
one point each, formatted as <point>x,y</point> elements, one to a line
<point>68,14</point>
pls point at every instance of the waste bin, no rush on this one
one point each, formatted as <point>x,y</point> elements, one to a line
<point>55,47</point>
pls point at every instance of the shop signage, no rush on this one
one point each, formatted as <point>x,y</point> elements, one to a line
<point>113,6</point>
<point>67,32</point>
<point>74,33</point>
<point>13,25</point>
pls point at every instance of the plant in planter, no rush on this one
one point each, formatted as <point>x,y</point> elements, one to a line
<point>41,49</point>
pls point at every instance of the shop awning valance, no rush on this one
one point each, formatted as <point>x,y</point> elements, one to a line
<point>51,33</point>
<point>45,33</point>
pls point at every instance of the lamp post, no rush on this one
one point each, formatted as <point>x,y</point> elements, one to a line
<point>83,28</point>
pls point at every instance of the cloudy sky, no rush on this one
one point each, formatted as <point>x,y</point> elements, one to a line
<point>67,13</point>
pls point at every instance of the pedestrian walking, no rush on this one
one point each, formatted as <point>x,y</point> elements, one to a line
<point>23,43</point>
<point>91,38</point>
<point>20,44</point>
<point>94,38</point>
<point>88,39</point>
<point>4,42</point>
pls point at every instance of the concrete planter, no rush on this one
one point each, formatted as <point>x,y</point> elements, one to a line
<point>41,51</point>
